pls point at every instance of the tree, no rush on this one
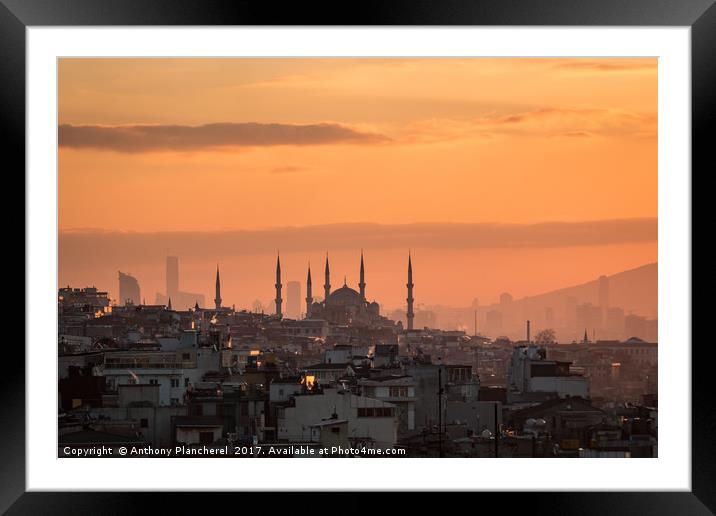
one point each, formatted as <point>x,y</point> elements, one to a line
<point>546,336</point>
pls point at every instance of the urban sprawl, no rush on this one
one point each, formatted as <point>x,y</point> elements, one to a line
<point>341,378</point>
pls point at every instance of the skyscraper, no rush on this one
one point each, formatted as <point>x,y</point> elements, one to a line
<point>172,276</point>
<point>180,300</point>
<point>493,323</point>
<point>293,299</point>
<point>589,316</point>
<point>128,289</point>
<point>603,298</point>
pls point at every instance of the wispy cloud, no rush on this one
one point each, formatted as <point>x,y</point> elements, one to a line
<point>145,138</point>
<point>289,169</point>
<point>606,64</point>
<point>545,122</point>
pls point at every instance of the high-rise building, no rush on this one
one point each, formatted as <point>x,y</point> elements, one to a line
<point>549,317</point>
<point>179,300</point>
<point>570,312</point>
<point>425,319</point>
<point>635,326</point>
<point>172,276</point>
<point>615,322</point>
<point>603,283</point>
<point>293,299</point>
<point>493,323</point>
<point>589,317</point>
<point>128,289</point>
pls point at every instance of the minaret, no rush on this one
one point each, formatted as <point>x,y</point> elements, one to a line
<point>217,299</point>
<point>361,285</point>
<point>278,286</point>
<point>410,313</point>
<point>169,307</point>
<point>327,284</point>
<point>309,293</point>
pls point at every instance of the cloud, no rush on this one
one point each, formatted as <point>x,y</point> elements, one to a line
<point>145,138</point>
<point>290,169</point>
<point>545,122</point>
<point>607,65</point>
<point>78,246</point>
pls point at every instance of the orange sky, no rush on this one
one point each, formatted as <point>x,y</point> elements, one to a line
<point>204,145</point>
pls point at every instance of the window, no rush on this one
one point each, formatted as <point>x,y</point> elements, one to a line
<point>206,437</point>
<point>186,356</point>
<point>375,412</point>
<point>144,422</point>
<point>186,382</point>
<point>398,392</point>
<point>175,382</point>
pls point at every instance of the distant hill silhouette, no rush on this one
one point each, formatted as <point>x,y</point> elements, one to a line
<point>634,290</point>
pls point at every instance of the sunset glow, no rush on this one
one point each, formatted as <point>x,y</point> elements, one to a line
<point>561,154</point>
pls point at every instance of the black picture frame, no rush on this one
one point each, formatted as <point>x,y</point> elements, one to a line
<point>700,15</point>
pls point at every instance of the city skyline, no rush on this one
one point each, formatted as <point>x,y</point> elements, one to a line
<point>569,310</point>
<point>242,277</point>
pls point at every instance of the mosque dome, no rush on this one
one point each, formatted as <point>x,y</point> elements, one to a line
<point>344,296</point>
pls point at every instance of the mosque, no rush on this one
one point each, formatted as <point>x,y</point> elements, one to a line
<point>345,306</point>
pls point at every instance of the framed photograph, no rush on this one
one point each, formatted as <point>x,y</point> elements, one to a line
<point>452,239</point>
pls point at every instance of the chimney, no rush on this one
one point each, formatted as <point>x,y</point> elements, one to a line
<point>528,332</point>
